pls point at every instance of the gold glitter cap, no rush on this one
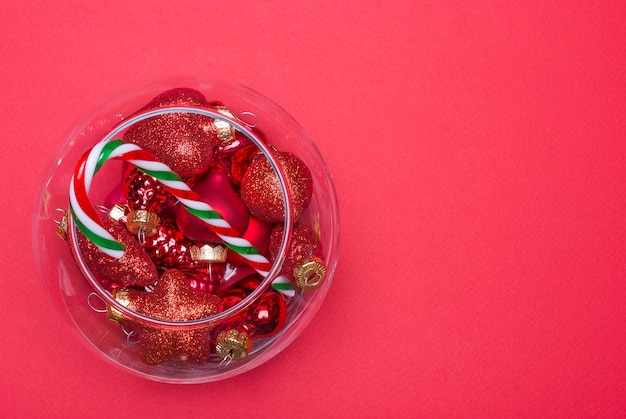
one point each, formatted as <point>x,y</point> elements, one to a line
<point>62,227</point>
<point>310,273</point>
<point>142,220</point>
<point>209,253</point>
<point>233,344</point>
<point>118,212</point>
<point>225,132</point>
<point>121,296</point>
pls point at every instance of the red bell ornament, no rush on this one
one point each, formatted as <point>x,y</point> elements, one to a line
<point>145,192</point>
<point>145,196</point>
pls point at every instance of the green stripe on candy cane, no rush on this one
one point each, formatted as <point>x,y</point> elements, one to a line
<point>106,152</point>
<point>282,284</point>
<point>95,238</point>
<point>204,214</point>
<point>117,149</point>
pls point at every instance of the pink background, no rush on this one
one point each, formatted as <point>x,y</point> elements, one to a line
<point>479,155</point>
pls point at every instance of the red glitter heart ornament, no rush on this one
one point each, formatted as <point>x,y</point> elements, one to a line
<point>134,268</point>
<point>183,141</point>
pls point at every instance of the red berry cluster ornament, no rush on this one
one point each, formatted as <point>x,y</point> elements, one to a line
<point>176,268</point>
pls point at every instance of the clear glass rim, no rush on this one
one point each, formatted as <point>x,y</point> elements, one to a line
<point>283,181</point>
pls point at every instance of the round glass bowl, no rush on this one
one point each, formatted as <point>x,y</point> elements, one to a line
<point>188,229</point>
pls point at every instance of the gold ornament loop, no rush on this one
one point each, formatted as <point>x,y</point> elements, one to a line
<point>310,273</point>
<point>142,220</point>
<point>233,345</point>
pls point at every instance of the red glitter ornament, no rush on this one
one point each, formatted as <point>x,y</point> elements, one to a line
<point>172,299</point>
<point>134,268</point>
<point>260,188</point>
<point>216,190</point>
<point>179,96</point>
<point>304,244</point>
<point>183,141</point>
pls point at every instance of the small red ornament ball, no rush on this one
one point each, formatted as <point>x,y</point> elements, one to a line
<point>267,317</point>
<point>183,141</point>
<point>260,188</point>
<point>264,318</point>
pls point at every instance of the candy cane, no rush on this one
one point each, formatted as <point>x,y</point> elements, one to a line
<point>88,221</point>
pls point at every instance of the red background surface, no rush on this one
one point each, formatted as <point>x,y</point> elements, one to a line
<point>478,151</point>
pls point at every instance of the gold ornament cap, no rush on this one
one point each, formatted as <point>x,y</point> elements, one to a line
<point>209,253</point>
<point>138,220</point>
<point>118,212</point>
<point>121,295</point>
<point>310,273</point>
<point>225,131</point>
<point>233,344</point>
<point>62,227</point>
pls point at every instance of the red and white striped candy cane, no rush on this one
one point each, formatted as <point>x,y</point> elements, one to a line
<point>88,221</point>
